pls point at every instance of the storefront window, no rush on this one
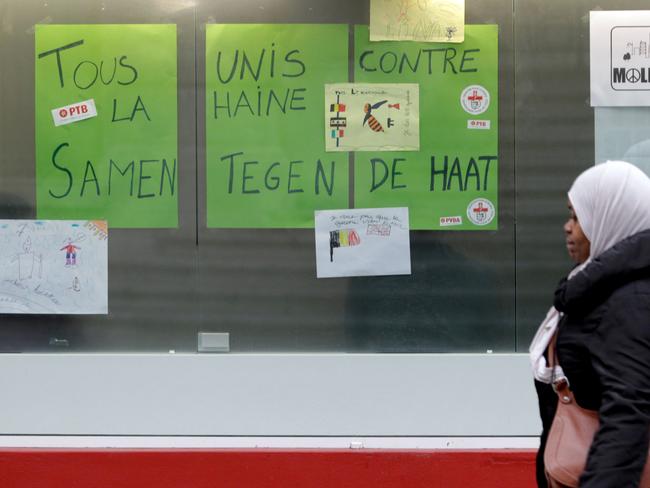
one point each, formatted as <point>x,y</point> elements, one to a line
<point>210,166</point>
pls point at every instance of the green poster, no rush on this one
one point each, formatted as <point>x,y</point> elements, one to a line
<point>451,183</point>
<point>120,164</point>
<point>266,159</point>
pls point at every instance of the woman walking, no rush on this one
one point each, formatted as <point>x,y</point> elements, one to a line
<point>602,317</point>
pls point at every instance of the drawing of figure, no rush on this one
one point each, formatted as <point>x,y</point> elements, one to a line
<point>70,253</point>
<point>76,285</point>
<point>403,15</point>
<point>29,263</point>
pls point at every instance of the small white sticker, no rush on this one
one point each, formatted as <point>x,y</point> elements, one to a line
<point>449,221</point>
<point>480,211</point>
<point>475,99</point>
<point>74,112</point>
<point>478,124</point>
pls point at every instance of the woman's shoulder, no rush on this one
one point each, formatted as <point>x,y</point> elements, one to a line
<point>619,272</point>
<point>632,293</point>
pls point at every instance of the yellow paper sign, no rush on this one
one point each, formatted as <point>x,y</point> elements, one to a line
<point>417,20</point>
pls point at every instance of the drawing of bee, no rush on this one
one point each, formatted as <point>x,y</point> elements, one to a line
<point>373,123</point>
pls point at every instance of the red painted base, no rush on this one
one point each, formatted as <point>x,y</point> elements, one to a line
<point>265,468</point>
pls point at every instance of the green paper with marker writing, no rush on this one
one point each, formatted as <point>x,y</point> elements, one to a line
<point>451,183</point>
<point>121,165</point>
<point>266,160</point>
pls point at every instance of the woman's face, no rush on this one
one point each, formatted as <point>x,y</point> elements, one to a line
<point>576,242</point>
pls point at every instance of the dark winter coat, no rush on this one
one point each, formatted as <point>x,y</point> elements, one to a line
<point>604,350</point>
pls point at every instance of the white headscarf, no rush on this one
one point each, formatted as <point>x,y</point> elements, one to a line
<point>612,202</point>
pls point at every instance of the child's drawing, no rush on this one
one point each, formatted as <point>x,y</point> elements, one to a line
<point>383,249</point>
<point>343,238</point>
<point>33,279</point>
<point>76,284</point>
<point>29,264</point>
<point>372,117</point>
<point>70,252</point>
<point>417,20</point>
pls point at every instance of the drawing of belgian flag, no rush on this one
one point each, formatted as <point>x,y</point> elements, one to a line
<point>343,238</point>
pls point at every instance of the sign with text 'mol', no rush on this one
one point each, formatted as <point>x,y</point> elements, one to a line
<point>106,124</point>
<point>266,161</point>
<point>620,58</point>
<point>362,242</point>
<point>451,182</point>
<point>53,267</point>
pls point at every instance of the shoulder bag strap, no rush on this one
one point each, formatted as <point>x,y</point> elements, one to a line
<point>560,384</point>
